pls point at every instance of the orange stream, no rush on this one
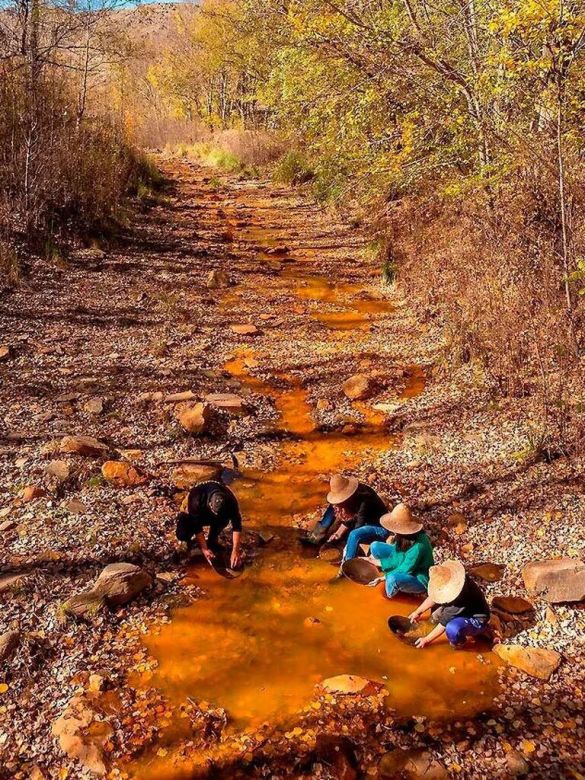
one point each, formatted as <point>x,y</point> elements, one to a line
<point>250,646</point>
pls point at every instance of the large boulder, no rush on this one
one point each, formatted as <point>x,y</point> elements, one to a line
<point>359,387</point>
<point>556,580</point>
<point>82,735</point>
<point>120,473</point>
<point>194,418</point>
<point>83,445</point>
<point>535,661</point>
<point>513,605</point>
<point>9,642</point>
<point>119,583</point>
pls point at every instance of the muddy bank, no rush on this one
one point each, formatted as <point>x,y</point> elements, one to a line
<point>133,325</point>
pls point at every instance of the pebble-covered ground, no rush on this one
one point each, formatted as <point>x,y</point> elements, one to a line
<point>96,343</point>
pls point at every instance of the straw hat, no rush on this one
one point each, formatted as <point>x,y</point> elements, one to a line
<point>446,581</point>
<point>400,521</point>
<point>341,488</point>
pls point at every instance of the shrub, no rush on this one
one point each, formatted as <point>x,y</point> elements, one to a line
<point>293,168</point>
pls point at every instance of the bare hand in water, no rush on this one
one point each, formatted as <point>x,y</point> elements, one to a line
<point>422,642</point>
<point>236,559</point>
<point>209,554</point>
<point>414,617</point>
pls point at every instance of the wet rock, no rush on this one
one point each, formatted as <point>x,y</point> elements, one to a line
<point>194,418</point>
<point>188,474</point>
<point>265,537</point>
<point>412,764</point>
<point>82,735</point>
<point>83,445</point>
<point>119,583</point>
<point>217,279</point>
<point>338,754</point>
<point>184,395</point>
<point>556,580</point>
<point>489,572</point>
<point>513,605</point>
<point>347,683</point>
<point>227,402</point>
<point>359,387</point>
<point>84,605</point>
<point>9,642</point>
<point>535,661</point>
<point>244,330</point>
<point>122,474</point>
<point>31,493</point>
<point>311,622</point>
<point>516,764</point>
<point>58,469</point>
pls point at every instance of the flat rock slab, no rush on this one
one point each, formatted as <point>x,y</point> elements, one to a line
<point>244,330</point>
<point>535,661</point>
<point>83,445</point>
<point>11,582</point>
<point>556,580</point>
<point>227,402</point>
<point>513,605</point>
<point>488,572</point>
<point>347,683</point>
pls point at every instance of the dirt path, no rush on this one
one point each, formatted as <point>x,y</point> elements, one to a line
<point>97,344</point>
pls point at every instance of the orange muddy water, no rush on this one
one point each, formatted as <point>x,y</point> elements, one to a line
<point>257,645</point>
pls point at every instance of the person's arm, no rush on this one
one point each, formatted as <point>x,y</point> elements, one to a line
<point>437,631</point>
<point>209,554</point>
<point>236,557</point>
<point>428,603</point>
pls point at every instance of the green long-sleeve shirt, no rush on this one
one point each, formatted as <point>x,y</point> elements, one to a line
<point>416,561</point>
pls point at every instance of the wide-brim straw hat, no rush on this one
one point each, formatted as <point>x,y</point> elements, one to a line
<point>400,521</point>
<point>446,581</point>
<point>341,488</point>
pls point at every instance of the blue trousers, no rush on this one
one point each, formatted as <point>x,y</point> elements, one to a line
<point>396,581</point>
<point>364,535</point>
<point>460,628</point>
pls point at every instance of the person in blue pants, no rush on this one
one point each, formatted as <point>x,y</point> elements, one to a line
<point>463,610</point>
<point>406,562</point>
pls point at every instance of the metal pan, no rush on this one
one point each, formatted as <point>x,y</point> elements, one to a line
<point>407,631</point>
<point>360,570</point>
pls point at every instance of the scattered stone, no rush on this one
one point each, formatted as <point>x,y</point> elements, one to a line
<point>96,683</point>
<point>166,576</point>
<point>82,735</point>
<point>535,661</point>
<point>514,605</point>
<point>227,402</point>
<point>9,642</point>
<point>311,621</point>
<point>489,572</point>
<point>7,525</point>
<point>194,418</point>
<point>32,492</point>
<point>458,522</point>
<point>119,583</point>
<point>244,330</point>
<point>83,445</point>
<point>516,764</point>
<point>94,405</point>
<point>66,398</point>
<point>323,404</point>
<point>217,279</point>
<point>120,473</point>
<point>338,754</point>
<point>5,351</point>
<point>359,387</point>
<point>413,764</point>
<point>75,507</point>
<point>188,474</point>
<point>11,582</point>
<point>59,469</point>
<point>347,683</point>
<point>185,395</point>
<point>265,537</point>
<point>556,580</point>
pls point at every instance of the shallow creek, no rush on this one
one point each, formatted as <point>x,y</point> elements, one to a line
<point>257,645</point>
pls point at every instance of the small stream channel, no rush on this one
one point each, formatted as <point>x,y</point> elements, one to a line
<point>259,644</point>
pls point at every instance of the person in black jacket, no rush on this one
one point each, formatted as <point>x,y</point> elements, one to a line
<point>211,504</point>
<point>352,505</point>
<point>463,610</point>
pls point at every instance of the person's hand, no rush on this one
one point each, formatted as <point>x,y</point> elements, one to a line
<point>209,554</point>
<point>375,582</point>
<point>336,536</point>
<point>236,559</point>
<point>421,642</point>
<point>415,616</point>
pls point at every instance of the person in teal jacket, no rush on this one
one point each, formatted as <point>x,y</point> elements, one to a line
<point>405,562</point>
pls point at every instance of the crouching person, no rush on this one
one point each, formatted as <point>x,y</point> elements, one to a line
<point>211,505</point>
<point>405,562</point>
<point>463,610</point>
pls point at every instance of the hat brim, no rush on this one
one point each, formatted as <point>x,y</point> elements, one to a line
<point>398,526</point>
<point>447,592</point>
<point>339,496</point>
